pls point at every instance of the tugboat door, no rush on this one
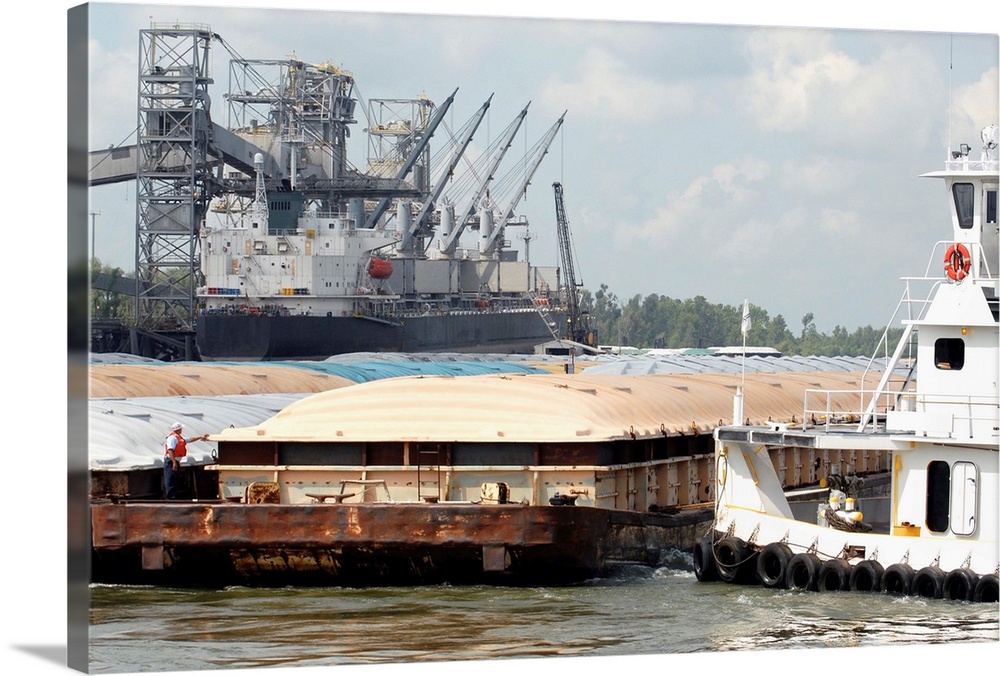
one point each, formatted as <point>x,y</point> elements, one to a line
<point>964,498</point>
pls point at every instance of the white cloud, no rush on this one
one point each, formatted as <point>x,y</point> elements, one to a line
<point>839,223</point>
<point>736,180</point>
<point>802,82</point>
<point>750,239</point>
<point>780,231</point>
<point>975,106</point>
<point>825,176</point>
<point>706,204</point>
<point>606,88</point>
<point>791,69</point>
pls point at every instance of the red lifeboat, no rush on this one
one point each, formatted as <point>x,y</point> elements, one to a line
<point>380,268</point>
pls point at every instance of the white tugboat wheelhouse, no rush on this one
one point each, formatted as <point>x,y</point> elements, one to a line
<point>935,409</point>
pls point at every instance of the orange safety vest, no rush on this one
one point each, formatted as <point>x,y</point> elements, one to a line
<point>180,450</point>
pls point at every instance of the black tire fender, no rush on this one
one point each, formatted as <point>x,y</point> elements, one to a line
<point>803,572</point>
<point>731,557</point>
<point>929,582</point>
<point>987,589</point>
<point>704,561</point>
<point>866,576</point>
<point>772,565</point>
<point>834,575</point>
<point>898,580</point>
<point>960,584</point>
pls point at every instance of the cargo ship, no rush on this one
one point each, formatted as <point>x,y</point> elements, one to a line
<point>318,285</point>
<point>261,240</point>
<point>309,268</point>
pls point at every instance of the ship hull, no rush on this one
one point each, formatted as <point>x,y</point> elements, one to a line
<point>263,338</point>
<point>222,544</point>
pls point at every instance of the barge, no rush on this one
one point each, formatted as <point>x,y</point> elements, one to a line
<point>499,479</point>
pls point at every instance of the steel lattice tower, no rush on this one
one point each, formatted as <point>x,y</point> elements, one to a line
<point>173,179</point>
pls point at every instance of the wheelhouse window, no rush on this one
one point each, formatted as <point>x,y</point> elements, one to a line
<point>949,354</point>
<point>965,197</point>
<point>938,496</point>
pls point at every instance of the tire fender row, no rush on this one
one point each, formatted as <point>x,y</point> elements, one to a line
<point>730,559</point>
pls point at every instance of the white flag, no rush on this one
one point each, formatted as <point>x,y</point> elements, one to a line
<point>745,327</point>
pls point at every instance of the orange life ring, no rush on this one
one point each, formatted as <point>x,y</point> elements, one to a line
<point>957,261</point>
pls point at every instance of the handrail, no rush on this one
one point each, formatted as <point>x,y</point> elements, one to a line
<point>916,310</point>
<point>965,164</point>
<point>832,416</point>
<point>976,252</point>
<point>974,405</point>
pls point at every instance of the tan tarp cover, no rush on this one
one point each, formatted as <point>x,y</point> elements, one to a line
<point>543,408</point>
<point>166,380</point>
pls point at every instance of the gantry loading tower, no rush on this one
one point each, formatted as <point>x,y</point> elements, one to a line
<point>295,115</point>
<point>173,180</point>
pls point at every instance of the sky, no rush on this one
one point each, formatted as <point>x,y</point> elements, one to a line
<point>775,165</point>
<point>727,161</point>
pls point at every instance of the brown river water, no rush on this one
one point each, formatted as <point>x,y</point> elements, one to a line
<point>637,611</point>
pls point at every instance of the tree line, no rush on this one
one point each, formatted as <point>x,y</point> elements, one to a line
<point>658,321</point>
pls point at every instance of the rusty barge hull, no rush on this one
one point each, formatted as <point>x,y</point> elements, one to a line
<point>219,544</point>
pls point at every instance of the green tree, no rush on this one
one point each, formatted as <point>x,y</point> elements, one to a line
<point>807,324</point>
<point>109,302</point>
<point>661,321</point>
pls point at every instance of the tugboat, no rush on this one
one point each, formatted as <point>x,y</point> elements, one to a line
<point>939,419</point>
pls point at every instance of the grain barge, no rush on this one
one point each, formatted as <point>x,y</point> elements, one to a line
<point>506,479</point>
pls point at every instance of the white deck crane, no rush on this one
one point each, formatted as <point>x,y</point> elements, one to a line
<point>383,205</point>
<point>418,228</point>
<point>488,241</point>
<point>463,217</point>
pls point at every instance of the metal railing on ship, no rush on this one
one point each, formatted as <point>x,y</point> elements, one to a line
<point>873,404</point>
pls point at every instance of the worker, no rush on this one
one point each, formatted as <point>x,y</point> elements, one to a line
<point>175,447</point>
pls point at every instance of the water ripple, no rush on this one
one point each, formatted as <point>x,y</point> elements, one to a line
<point>636,611</point>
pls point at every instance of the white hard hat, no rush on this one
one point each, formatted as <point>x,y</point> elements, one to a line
<point>176,426</point>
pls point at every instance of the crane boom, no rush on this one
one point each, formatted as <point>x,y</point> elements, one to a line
<point>578,321</point>
<point>420,222</point>
<point>448,245</point>
<point>506,214</point>
<point>565,253</point>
